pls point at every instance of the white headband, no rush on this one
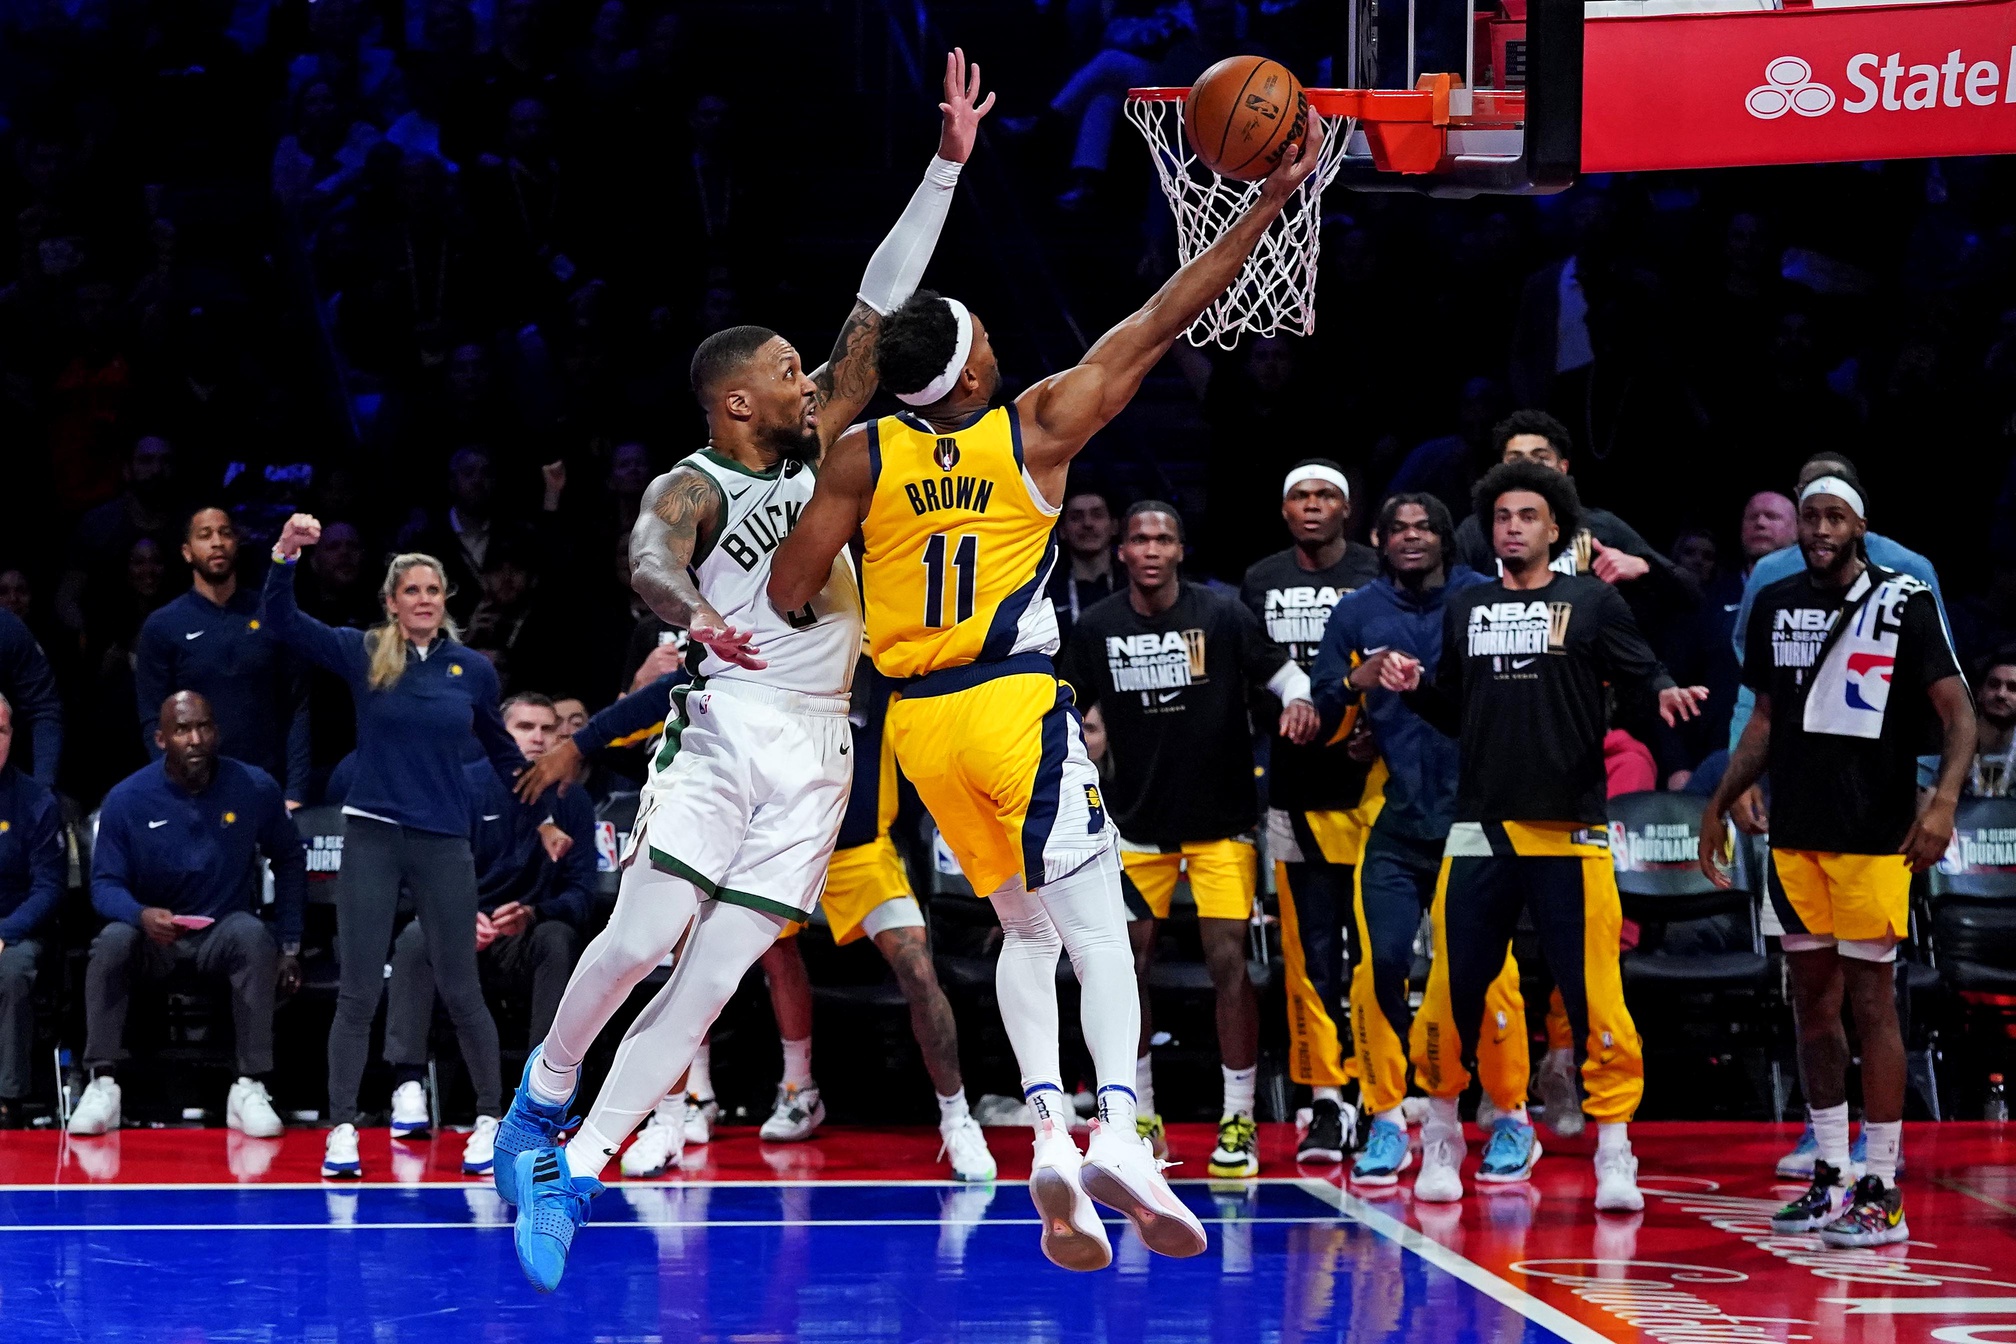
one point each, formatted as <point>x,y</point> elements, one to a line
<point>1316,472</point>
<point>1840,489</point>
<point>962,346</point>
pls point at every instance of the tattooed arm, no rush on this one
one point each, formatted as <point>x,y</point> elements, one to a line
<point>680,510</point>
<point>847,379</point>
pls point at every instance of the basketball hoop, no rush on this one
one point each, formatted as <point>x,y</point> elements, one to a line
<point>1276,290</point>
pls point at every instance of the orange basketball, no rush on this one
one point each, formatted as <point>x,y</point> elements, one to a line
<point>1242,113</point>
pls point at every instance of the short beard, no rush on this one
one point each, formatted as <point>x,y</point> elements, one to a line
<point>795,445</point>
<point>1843,558</point>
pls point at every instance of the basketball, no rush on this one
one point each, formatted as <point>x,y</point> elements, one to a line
<point>1242,113</point>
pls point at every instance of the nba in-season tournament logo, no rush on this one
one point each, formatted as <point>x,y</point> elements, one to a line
<point>1156,663</point>
<point>1500,630</point>
<point>946,454</point>
<point>1296,617</point>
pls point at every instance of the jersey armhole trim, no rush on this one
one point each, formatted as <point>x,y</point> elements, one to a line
<point>1043,506</point>
<point>874,455</point>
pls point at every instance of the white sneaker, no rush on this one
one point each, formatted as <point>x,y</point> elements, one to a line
<point>479,1150</point>
<point>1617,1182</point>
<point>410,1117</point>
<point>339,1155</point>
<point>701,1117</point>
<point>1561,1098</point>
<point>798,1112</point>
<point>1073,1236</point>
<point>98,1109</point>
<point>658,1145</point>
<point>966,1144</point>
<point>1441,1178</point>
<point>250,1111</point>
<point>1123,1174</point>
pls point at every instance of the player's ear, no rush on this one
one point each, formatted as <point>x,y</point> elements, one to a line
<point>736,402</point>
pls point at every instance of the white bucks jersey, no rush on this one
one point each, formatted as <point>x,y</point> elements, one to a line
<point>812,649</point>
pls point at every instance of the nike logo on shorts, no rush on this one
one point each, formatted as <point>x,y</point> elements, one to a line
<point>195,634</point>
<point>155,825</point>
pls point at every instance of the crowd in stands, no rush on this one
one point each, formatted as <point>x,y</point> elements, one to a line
<point>433,269</point>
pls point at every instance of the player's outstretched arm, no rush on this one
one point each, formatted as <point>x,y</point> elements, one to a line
<point>847,379</point>
<point>838,504</point>
<point>1745,768</point>
<point>1064,410</point>
<point>678,508</point>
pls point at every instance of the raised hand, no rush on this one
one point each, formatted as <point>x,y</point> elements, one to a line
<point>1297,162</point>
<point>1614,566</point>
<point>303,529</point>
<point>725,642</point>
<point>963,108</point>
<point>1681,702</point>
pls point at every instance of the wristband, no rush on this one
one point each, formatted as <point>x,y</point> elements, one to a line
<point>280,558</point>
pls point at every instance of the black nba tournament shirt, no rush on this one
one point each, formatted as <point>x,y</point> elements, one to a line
<point>1521,686</point>
<point>1829,792</point>
<point>1293,605</point>
<point>1173,690</point>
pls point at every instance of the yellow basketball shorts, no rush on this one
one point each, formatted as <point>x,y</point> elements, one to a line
<point>998,758</point>
<point>1862,902</point>
<point>1223,875</point>
<point>860,880</point>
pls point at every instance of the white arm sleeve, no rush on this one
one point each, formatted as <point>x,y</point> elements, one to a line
<point>898,264</point>
<point>1289,684</point>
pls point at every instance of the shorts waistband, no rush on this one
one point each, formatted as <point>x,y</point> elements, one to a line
<point>949,679</point>
<point>792,702</point>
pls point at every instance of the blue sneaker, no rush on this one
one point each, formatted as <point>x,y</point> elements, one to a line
<point>530,1124</point>
<point>1797,1165</point>
<point>1510,1155</point>
<point>1386,1155</point>
<point>556,1204</point>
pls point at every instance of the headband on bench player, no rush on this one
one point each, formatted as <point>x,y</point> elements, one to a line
<point>1840,489</point>
<point>1316,472</point>
<point>962,346</point>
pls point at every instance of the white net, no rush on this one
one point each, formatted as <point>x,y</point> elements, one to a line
<point>1276,291</point>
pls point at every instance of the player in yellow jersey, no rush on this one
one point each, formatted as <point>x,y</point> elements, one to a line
<point>956,501</point>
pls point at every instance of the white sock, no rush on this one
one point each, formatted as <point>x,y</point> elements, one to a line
<point>953,1108</point>
<point>700,1078</point>
<point>1117,1108</point>
<point>1335,1094</point>
<point>1519,1115</point>
<point>1564,1060</point>
<point>798,1063</point>
<point>1395,1117</point>
<point>1442,1115</point>
<point>1239,1086</point>
<point>1144,1084</point>
<point>671,1110</point>
<point>1613,1138</point>
<point>553,1086</point>
<point>1049,1105</point>
<point>589,1151</point>
<point>1830,1127</point>
<point>1883,1139</point>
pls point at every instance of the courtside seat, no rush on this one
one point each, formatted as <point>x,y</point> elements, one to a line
<point>1973,897</point>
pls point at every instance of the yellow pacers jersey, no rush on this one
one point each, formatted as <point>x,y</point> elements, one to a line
<point>959,546</point>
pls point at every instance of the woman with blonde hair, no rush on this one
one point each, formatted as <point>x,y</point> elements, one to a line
<point>420,694</point>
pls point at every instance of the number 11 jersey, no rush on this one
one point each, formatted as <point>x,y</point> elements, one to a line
<point>959,546</point>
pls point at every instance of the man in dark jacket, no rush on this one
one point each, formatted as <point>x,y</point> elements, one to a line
<point>31,882</point>
<point>30,687</point>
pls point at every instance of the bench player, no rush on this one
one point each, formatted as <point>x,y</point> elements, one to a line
<point>957,503</point>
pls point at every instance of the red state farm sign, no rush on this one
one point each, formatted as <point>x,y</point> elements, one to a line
<point>1799,86</point>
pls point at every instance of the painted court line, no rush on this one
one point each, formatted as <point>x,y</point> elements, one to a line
<point>500,1226</point>
<point>483,1183</point>
<point>1458,1266</point>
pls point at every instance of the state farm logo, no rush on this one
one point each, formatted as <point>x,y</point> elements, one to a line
<point>1882,82</point>
<point>1789,86</point>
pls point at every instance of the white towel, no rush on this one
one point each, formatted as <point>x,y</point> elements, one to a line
<point>1851,688</point>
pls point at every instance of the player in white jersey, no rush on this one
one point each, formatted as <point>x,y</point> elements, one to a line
<point>747,794</point>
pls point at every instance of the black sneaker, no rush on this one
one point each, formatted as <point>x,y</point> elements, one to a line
<point>1324,1142</point>
<point>1820,1205</point>
<point>1873,1217</point>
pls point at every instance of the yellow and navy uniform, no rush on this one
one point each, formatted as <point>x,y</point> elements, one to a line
<point>958,547</point>
<point>866,870</point>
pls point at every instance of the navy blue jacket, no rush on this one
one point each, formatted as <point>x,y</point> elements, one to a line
<point>511,862</point>
<point>412,737</point>
<point>632,720</point>
<point>32,856</point>
<point>30,687</point>
<point>193,854</point>
<point>1420,762</point>
<point>228,656</point>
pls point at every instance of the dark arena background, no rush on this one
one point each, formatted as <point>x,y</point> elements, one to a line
<point>433,273</point>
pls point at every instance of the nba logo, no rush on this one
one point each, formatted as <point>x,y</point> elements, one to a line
<point>946,454</point>
<point>1869,680</point>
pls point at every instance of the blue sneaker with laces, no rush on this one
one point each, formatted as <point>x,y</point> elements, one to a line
<point>556,1205</point>
<point>1797,1165</point>
<point>1384,1157</point>
<point>530,1124</point>
<point>1511,1153</point>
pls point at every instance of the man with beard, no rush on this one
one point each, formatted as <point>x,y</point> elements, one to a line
<point>1320,797</point>
<point>746,797</point>
<point>211,641</point>
<point>1995,744</point>
<point>1853,673</point>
